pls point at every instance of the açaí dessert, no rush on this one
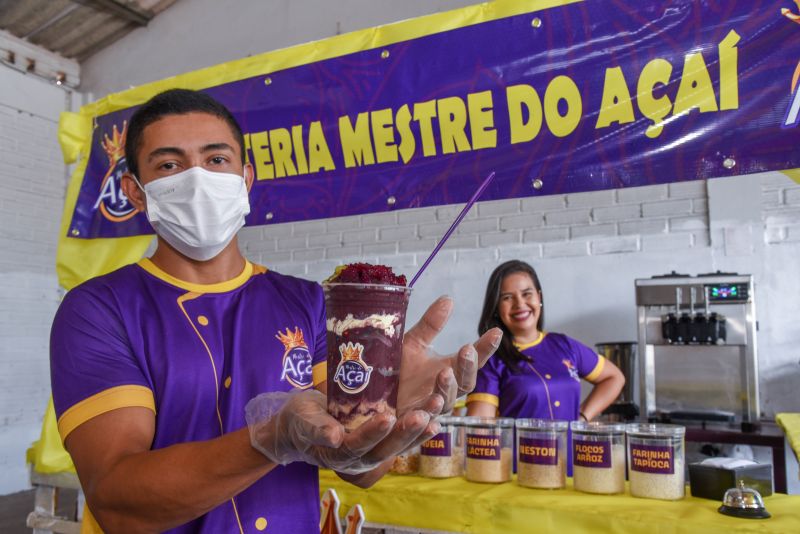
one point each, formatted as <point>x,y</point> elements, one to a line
<point>366,313</point>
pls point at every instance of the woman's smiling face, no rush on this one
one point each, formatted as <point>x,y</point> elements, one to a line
<point>520,306</point>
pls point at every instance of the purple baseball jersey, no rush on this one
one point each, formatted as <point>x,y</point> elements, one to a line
<point>195,354</point>
<point>548,388</point>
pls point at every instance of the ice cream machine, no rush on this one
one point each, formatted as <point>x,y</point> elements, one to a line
<point>697,348</point>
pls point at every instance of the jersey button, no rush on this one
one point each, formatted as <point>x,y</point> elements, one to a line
<point>228,383</point>
<point>203,320</point>
<point>548,376</point>
<point>261,523</point>
<point>557,404</point>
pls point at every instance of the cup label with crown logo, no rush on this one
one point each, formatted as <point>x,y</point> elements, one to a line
<point>352,373</point>
<point>297,366</point>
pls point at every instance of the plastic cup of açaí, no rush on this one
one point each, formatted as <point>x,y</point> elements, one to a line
<point>365,326</point>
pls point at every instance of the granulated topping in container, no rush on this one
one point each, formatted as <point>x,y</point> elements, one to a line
<point>541,453</point>
<point>442,456</point>
<point>490,470</point>
<point>489,443</point>
<point>598,455</point>
<point>656,460</point>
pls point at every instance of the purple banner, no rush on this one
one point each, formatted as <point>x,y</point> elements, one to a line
<point>591,453</point>
<point>588,96</point>
<point>483,447</point>
<point>653,459</point>
<point>538,451</point>
<point>438,445</point>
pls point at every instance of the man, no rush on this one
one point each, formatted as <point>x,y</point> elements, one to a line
<point>152,365</point>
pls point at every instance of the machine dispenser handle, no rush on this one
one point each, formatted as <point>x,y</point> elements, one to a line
<point>683,320</point>
<point>669,322</point>
<point>696,322</point>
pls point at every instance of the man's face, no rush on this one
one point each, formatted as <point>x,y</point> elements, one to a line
<point>176,143</point>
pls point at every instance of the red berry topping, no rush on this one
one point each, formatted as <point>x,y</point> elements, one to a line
<point>365,273</point>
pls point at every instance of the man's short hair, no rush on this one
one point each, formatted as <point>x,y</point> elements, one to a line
<point>174,102</point>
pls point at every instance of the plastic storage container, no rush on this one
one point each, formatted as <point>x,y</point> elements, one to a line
<point>442,456</point>
<point>598,457</point>
<point>541,453</point>
<point>488,443</point>
<point>656,460</point>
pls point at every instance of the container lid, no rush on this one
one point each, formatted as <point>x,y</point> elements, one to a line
<point>451,420</point>
<point>597,427</point>
<point>650,430</point>
<point>488,422</point>
<point>542,424</point>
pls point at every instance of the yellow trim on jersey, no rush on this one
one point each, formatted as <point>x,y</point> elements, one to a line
<point>319,373</point>
<point>601,362</point>
<point>220,287</point>
<point>110,399</point>
<point>259,269</point>
<point>484,397</point>
<point>532,343</point>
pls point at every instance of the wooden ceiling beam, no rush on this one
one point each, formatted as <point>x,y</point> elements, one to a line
<point>121,9</point>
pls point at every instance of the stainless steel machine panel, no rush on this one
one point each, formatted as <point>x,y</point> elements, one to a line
<point>699,375</point>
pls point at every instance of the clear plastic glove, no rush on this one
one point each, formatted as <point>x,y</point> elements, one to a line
<point>296,427</point>
<point>292,427</point>
<point>424,374</point>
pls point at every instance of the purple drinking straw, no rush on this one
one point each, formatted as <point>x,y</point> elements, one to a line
<point>450,230</point>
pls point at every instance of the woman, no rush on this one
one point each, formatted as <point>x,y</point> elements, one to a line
<point>535,373</point>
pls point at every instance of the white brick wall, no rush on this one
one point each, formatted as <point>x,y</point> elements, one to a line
<point>599,222</point>
<point>605,238</point>
<point>780,203</point>
<point>33,181</point>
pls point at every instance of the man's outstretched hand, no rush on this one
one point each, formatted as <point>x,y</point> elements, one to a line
<point>423,373</point>
<point>291,427</point>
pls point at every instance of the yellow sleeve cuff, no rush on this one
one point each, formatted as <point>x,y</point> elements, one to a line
<point>319,373</point>
<point>601,362</point>
<point>105,401</point>
<point>484,397</point>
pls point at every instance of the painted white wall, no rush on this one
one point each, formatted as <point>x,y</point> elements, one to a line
<point>33,181</point>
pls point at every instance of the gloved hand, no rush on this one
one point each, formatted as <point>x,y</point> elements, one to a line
<point>292,427</point>
<point>424,373</point>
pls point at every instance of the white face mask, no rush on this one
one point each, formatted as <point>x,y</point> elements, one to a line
<point>197,211</point>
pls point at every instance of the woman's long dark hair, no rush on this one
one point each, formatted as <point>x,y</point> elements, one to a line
<point>491,319</point>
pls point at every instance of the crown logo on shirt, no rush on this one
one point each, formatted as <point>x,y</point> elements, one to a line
<point>114,146</point>
<point>291,339</point>
<point>351,352</point>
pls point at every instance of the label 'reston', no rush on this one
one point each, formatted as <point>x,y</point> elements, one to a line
<point>591,453</point>
<point>538,451</point>
<point>657,459</point>
<point>483,447</point>
<point>438,445</point>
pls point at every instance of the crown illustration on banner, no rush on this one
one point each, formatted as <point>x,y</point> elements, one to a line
<point>115,145</point>
<point>291,339</point>
<point>351,352</point>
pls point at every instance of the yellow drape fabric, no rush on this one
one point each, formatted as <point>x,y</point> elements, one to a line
<point>455,505</point>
